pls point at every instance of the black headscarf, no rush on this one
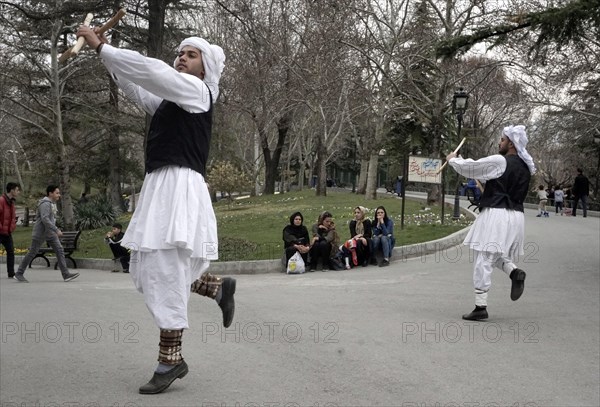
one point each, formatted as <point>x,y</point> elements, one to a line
<point>293,234</point>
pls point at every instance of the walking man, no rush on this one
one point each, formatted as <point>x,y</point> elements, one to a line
<point>497,235</point>
<point>8,223</point>
<point>173,234</point>
<point>45,230</point>
<point>581,190</point>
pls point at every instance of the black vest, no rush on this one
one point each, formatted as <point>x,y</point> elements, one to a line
<point>177,137</point>
<point>510,190</point>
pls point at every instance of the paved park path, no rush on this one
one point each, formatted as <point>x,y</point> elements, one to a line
<point>366,337</point>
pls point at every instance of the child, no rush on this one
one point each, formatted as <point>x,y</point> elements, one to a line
<point>543,199</point>
<point>559,198</point>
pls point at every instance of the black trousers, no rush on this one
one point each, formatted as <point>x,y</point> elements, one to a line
<point>320,250</point>
<point>7,242</point>
<point>121,254</point>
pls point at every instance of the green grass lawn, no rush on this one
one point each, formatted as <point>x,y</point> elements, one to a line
<point>251,228</point>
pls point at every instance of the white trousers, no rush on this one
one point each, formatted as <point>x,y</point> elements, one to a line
<point>165,278</point>
<point>483,266</point>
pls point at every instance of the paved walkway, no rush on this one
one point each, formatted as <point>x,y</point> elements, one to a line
<point>366,337</point>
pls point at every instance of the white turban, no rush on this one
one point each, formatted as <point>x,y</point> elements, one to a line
<point>213,59</point>
<point>517,135</point>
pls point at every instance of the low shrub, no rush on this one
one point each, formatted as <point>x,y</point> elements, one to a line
<point>95,214</point>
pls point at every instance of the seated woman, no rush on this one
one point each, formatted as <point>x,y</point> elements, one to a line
<point>360,230</point>
<point>383,236</point>
<point>296,238</point>
<point>325,242</point>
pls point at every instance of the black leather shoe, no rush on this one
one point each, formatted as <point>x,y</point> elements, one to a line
<point>518,284</point>
<point>161,381</point>
<point>227,303</point>
<point>477,314</point>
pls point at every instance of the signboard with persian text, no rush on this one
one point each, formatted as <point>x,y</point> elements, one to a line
<point>423,169</point>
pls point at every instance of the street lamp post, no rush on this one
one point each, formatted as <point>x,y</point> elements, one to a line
<point>459,105</point>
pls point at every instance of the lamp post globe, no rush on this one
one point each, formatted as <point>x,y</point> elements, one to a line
<point>459,106</point>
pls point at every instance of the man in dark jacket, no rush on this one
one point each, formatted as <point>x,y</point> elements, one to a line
<point>113,239</point>
<point>581,190</point>
<point>8,223</point>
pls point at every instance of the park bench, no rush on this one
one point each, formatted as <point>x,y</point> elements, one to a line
<point>69,241</point>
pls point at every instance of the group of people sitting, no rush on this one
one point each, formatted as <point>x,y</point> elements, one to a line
<point>370,242</point>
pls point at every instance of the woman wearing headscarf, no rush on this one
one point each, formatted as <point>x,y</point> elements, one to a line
<point>325,242</point>
<point>498,233</point>
<point>296,238</point>
<point>173,234</point>
<point>360,230</point>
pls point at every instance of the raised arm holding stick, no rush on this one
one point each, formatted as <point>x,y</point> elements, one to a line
<point>173,232</point>
<point>74,50</point>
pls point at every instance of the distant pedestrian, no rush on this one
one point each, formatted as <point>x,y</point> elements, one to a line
<point>114,239</point>
<point>45,230</point>
<point>498,234</point>
<point>581,190</point>
<point>8,223</point>
<point>559,198</point>
<point>542,201</point>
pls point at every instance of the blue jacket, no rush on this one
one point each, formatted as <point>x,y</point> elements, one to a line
<point>386,229</point>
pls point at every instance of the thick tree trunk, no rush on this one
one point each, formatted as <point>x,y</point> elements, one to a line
<point>272,161</point>
<point>361,187</point>
<point>371,190</point>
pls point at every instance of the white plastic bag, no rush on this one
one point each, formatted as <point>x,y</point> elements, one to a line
<point>295,264</point>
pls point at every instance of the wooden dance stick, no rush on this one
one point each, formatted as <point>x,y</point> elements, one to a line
<point>455,151</point>
<point>73,51</point>
<point>80,42</point>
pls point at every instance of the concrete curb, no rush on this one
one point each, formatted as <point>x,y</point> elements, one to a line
<point>275,265</point>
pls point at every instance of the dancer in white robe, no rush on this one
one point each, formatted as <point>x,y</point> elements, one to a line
<point>173,234</point>
<point>497,235</point>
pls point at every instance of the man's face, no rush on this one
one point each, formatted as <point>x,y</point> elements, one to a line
<point>15,192</point>
<point>504,145</point>
<point>189,61</point>
<point>54,195</point>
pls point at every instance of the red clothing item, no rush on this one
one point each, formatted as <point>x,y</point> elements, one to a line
<point>8,215</point>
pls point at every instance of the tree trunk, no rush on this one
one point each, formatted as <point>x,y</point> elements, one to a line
<point>17,171</point>
<point>63,163</point>
<point>321,167</point>
<point>371,190</point>
<point>361,186</point>
<point>272,161</point>
<point>65,189</point>
<point>113,140</point>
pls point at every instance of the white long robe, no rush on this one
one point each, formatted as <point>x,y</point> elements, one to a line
<point>496,230</point>
<point>173,231</point>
